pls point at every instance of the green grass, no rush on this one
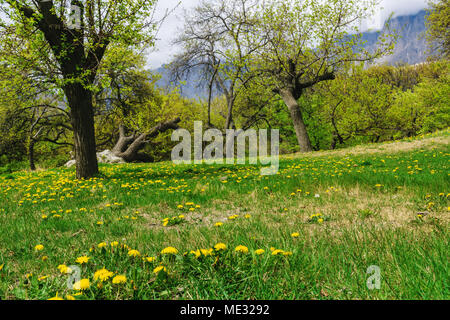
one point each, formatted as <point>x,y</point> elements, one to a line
<point>368,199</point>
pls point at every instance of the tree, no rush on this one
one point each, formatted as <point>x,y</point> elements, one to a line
<point>64,46</point>
<point>308,42</point>
<point>438,27</point>
<point>215,41</point>
<point>130,97</point>
<point>34,113</point>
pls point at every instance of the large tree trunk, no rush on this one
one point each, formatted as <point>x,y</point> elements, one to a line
<point>82,117</point>
<point>297,120</point>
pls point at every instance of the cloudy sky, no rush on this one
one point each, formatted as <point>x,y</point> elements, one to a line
<point>168,31</point>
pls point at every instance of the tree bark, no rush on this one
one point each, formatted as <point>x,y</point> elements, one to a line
<point>82,117</point>
<point>123,142</point>
<point>297,120</point>
<point>31,155</point>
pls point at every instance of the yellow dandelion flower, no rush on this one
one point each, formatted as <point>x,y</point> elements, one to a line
<point>260,252</point>
<point>64,269</point>
<point>114,244</point>
<point>134,253</point>
<point>241,249</point>
<point>220,247</point>
<point>102,275</point>
<point>157,270</point>
<point>277,252</point>
<point>39,247</point>
<point>83,284</point>
<point>169,250</point>
<point>119,279</point>
<point>56,297</point>
<point>102,245</point>
<point>82,259</point>
<point>196,253</point>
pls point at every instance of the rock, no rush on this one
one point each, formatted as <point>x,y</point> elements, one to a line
<point>102,157</point>
<point>108,157</point>
<point>70,163</point>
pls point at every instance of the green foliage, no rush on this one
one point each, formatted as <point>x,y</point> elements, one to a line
<point>438,27</point>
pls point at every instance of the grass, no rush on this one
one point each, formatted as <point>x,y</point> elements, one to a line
<point>384,205</point>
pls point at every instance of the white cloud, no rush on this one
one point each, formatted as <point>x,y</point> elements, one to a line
<point>164,49</point>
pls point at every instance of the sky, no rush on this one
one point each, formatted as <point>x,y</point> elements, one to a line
<point>164,49</point>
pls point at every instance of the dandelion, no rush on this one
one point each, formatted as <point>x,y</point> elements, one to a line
<point>241,249</point>
<point>207,252</point>
<point>196,253</point>
<point>114,244</point>
<point>102,275</point>
<point>119,279</point>
<point>134,253</point>
<point>101,245</point>
<point>295,235</point>
<point>260,252</point>
<point>220,247</point>
<point>83,284</point>
<point>157,270</point>
<point>82,259</point>
<point>64,269</point>
<point>149,259</point>
<point>39,247</point>
<point>169,250</point>
<point>56,297</point>
<point>218,224</point>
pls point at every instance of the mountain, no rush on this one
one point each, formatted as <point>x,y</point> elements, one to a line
<point>191,88</point>
<point>411,48</point>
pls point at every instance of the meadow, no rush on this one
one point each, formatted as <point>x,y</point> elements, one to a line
<point>161,231</point>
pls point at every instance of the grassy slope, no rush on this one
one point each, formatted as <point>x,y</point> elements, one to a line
<point>368,197</point>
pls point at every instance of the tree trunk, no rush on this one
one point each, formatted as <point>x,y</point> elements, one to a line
<point>297,120</point>
<point>123,142</point>
<point>31,155</point>
<point>82,117</point>
<point>128,147</point>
